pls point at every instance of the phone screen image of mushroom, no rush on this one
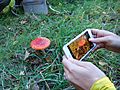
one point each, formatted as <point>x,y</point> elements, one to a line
<point>80,46</point>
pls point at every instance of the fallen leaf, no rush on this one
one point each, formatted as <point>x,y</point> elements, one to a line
<point>23,22</point>
<point>48,59</point>
<point>26,55</point>
<point>102,63</point>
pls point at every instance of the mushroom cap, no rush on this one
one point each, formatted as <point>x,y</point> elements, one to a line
<point>81,42</point>
<point>40,43</point>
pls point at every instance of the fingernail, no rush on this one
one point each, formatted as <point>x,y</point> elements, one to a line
<point>91,39</point>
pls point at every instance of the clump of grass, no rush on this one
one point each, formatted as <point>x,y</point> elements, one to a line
<point>16,34</point>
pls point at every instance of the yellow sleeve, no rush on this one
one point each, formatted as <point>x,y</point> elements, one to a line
<point>103,84</point>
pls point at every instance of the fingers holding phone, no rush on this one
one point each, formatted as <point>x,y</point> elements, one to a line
<point>82,74</point>
<point>106,39</point>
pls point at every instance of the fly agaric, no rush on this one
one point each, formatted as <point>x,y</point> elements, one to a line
<point>40,43</point>
<point>81,43</point>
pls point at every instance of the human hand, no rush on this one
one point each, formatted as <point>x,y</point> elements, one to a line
<point>82,74</point>
<point>106,39</point>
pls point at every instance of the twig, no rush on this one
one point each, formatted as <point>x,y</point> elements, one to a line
<point>50,64</point>
<point>45,81</point>
<point>52,8</point>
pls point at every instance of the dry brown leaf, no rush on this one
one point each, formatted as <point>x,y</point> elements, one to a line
<point>102,63</point>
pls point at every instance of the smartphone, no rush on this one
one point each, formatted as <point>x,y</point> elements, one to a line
<point>79,47</point>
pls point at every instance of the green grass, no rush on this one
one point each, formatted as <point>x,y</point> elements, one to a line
<point>16,34</point>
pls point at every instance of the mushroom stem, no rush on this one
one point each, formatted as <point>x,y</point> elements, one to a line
<point>40,52</point>
<point>43,52</point>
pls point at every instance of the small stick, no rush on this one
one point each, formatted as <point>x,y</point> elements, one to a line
<point>45,81</point>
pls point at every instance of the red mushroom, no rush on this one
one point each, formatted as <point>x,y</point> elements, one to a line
<point>40,43</point>
<point>81,43</point>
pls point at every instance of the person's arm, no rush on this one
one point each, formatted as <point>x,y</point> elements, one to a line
<point>86,75</point>
<point>106,39</point>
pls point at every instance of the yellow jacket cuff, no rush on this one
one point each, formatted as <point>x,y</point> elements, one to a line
<point>103,84</point>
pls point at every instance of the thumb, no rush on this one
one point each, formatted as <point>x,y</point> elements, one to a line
<point>98,40</point>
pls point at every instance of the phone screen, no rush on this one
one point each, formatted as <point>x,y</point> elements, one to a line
<point>80,46</point>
